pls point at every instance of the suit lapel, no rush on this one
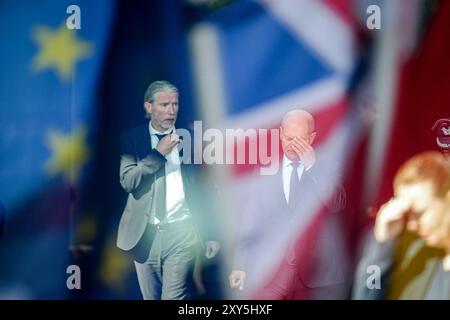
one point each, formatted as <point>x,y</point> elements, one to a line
<point>143,141</point>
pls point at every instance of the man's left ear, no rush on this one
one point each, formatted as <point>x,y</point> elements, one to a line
<point>312,137</point>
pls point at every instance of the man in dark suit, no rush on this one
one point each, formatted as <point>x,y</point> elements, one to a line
<point>271,258</point>
<point>161,223</point>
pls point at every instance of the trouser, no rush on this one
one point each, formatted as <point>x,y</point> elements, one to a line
<point>167,273</point>
<point>282,286</point>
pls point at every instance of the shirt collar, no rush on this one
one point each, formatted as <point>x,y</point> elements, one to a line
<point>287,162</point>
<point>153,131</point>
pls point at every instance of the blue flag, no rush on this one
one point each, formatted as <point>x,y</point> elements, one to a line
<point>51,58</point>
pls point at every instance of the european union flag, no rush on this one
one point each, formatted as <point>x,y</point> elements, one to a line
<point>47,120</point>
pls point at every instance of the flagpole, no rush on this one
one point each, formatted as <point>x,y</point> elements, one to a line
<point>209,89</point>
<point>386,78</point>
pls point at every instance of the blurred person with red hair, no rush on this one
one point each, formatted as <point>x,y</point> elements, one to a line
<point>411,239</point>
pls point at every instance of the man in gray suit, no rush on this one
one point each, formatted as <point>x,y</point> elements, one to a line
<point>160,224</point>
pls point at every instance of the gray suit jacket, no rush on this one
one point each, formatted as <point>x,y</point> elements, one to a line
<point>139,168</point>
<point>267,219</point>
<point>141,176</point>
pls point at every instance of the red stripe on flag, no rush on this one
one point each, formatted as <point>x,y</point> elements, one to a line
<point>424,98</point>
<point>344,9</point>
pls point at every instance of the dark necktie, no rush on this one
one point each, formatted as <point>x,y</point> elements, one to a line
<point>160,209</point>
<point>160,136</point>
<point>294,185</point>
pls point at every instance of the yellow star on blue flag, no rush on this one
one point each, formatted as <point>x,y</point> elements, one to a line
<point>69,153</point>
<point>59,50</point>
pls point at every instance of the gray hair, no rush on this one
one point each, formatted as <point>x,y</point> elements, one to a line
<point>155,87</point>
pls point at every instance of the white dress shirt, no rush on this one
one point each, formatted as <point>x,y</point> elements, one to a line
<point>287,171</point>
<point>177,208</point>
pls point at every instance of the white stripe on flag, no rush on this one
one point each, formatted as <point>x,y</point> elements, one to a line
<point>310,98</point>
<point>312,22</point>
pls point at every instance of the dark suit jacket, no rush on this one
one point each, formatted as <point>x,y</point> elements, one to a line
<point>421,276</point>
<point>141,176</point>
<point>267,221</point>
